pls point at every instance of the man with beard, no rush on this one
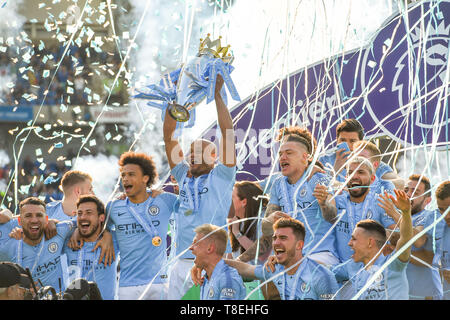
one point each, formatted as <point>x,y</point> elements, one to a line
<point>34,251</point>
<point>359,203</point>
<point>292,196</point>
<point>442,257</point>
<point>221,281</point>
<point>295,276</point>
<point>140,222</point>
<point>424,280</point>
<point>371,252</point>
<point>205,189</point>
<point>83,263</point>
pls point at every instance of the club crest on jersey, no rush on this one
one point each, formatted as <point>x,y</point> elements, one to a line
<point>211,292</point>
<point>303,192</point>
<point>52,247</point>
<point>153,210</point>
<point>305,287</point>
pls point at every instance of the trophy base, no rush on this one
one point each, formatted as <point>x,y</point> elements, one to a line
<point>178,112</point>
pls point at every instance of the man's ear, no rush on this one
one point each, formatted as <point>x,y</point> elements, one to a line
<point>101,218</point>
<point>299,245</point>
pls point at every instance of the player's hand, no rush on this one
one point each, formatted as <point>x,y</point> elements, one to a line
<point>5,216</point>
<point>274,216</point>
<point>75,241</point>
<point>107,254</point>
<point>270,264</point>
<point>402,202</point>
<point>16,233</point>
<point>386,203</point>
<point>321,194</point>
<point>50,229</point>
<point>341,159</point>
<point>196,275</point>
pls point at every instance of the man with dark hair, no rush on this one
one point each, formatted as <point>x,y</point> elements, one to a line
<point>42,256</point>
<point>204,188</point>
<point>221,282</point>
<point>292,196</point>
<point>362,272</point>
<point>424,281</point>
<point>351,131</point>
<point>83,263</point>
<point>295,276</point>
<point>442,258</point>
<point>140,222</point>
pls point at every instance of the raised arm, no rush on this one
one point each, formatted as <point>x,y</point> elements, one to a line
<point>227,141</point>
<point>173,149</point>
<point>406,230</point>
<point>327,206</point>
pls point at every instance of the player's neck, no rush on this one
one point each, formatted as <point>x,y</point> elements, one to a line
<point>370,260</point>
<point>295,262</point>
<point>31,242</point>
<point>140,197</point>
<point>293,178</point>
<point>211,266</point>
<point>69,206</point>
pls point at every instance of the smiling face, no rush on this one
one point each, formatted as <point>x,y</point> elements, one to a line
<point>359,243</point>
<point>293,158</point>
<point>88,220</point>
<point>360,180</point>
<point>415,191</point>
<point>33,221</point>
<point>288,250</point>
<point>133,180</point>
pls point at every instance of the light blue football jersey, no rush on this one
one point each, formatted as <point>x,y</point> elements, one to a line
<point>355,212</point>
<point>55,211</point>
<point>307,211</point>
<point>311,281</point>
<point>392,284</point>
<point>140,261</point>
<point>44,259</point>
<point>442,257</point>
<point>6,228</point>
<point>205,199</point>
<point>225,284</point>
<point>424,282</point>
<point>84,264</point>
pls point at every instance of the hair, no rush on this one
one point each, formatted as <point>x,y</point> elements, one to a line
<point>424,180</point>
<point>214,233</point>
<point>92,198</point>
<point>145,162</point>
<point>443,190</point>
<point>297,134</point>
<point>248,190</point>
<point>31,200</point>
<point>350,125</point>
<point>371,147</point>
<point>297,227</point>
<point>361,161</point>
<point>73,177</point>
<point>374,227</point>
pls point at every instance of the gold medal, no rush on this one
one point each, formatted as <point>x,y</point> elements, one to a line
<point>156,241</point>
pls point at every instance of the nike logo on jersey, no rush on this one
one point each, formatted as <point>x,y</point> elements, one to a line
<point>121,213</point>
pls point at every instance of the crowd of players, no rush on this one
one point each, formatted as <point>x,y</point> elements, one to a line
<point>335,226</point>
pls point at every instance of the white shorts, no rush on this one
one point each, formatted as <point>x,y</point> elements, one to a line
<point>325,257</point>
<point>155,292</point>
<point>180,279</point>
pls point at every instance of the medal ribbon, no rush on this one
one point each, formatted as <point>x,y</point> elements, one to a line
<point>149,228</point>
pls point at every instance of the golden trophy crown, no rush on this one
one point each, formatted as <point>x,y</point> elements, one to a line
<point>206,45</point>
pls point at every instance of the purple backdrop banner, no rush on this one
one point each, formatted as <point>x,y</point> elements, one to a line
<point>397,86</point>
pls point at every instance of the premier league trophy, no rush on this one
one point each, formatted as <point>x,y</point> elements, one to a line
<point>183,89</point>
